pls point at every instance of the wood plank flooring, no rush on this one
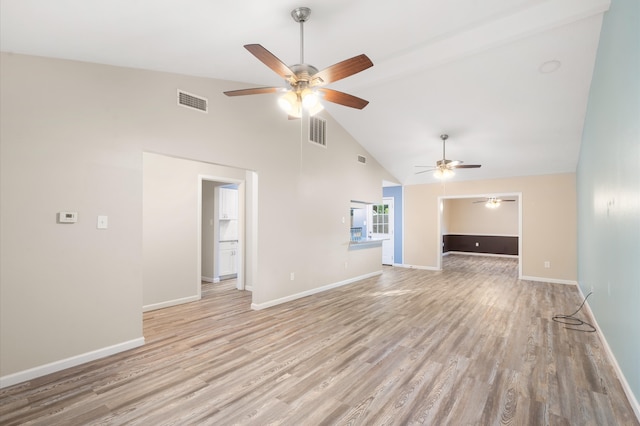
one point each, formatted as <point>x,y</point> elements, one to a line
<point>470,345</point>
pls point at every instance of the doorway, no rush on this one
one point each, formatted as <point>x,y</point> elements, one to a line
<point>172,227</point>
<point>469,223</point>
<point>222,229</point>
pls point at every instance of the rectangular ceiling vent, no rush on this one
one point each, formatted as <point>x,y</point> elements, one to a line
<point>318,131</point>
<point>192,101</point>
<point>362,159</point>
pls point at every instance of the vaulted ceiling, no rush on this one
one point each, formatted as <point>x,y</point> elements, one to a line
<point>507,80</point>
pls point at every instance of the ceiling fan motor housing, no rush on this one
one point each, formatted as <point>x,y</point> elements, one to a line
<point>303,73</point>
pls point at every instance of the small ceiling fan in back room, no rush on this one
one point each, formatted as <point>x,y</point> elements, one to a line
<point>305,83</point>
<point>493,202</point>
<point>444,168</point>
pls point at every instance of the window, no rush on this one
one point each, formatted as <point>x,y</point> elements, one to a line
<point>380,218</point>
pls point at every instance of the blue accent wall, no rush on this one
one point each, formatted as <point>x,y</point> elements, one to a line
<point>608,186</point>
<point>396,193</point>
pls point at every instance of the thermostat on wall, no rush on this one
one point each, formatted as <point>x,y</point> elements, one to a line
<point>67,217</point>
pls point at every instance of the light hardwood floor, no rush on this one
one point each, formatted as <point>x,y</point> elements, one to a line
<point>470,345</point>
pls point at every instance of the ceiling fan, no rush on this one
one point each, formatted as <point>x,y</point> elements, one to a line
<point>493,202</point>
<point>305,83</point>
<point>444,168</point>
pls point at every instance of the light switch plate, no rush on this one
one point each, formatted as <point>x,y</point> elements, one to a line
<point>103,222</point>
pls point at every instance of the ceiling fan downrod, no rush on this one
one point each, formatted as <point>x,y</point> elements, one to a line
<point>301,15</point>
<point>444,137</point>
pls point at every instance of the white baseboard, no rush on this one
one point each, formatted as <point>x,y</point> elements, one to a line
<point>633,401</point>
<point>549,280</point>
<point>426,268</point>
<point>153,307</point>
<point>43,370</point>
<point>207,279</point>
<point>258,306</point>
<point>216,280</point>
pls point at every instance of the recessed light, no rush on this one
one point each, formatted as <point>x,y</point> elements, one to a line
<point>549,66</point>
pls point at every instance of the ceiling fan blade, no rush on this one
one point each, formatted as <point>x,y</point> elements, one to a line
<point>424,171</point>
<point>343,98</point>
<point>341,70</point>
<point>252,91</point>
<point>467,166</point>
<point>270,60</point>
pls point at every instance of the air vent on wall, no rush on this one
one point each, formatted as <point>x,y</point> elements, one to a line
<point>192,101</point>
<point>362,159</point>
<point>318,131</point>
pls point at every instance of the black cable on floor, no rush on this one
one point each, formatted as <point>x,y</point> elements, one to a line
<point>573,321</point>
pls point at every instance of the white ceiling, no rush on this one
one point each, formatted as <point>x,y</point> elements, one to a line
<point>466,68</point>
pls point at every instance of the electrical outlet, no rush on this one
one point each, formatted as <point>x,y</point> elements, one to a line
<point>547,264</point>
<point>293,276</point>
<point>346,265</point>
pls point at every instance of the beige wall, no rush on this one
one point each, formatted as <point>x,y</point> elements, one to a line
<point>548,222</point>
<point>72,138</point>
<point>463,216</point>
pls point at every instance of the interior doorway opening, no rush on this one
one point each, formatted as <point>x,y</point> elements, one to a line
<point>478,225</point>
<point>226,229</point>
<point>172,227</point>
<point>221,224</point>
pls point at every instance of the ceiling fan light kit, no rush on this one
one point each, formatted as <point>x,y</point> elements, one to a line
<point>304,81</point>
<point>293,103</point>
<point>442,172</point>
<point>493,203</point>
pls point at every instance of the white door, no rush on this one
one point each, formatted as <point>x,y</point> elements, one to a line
<point>381,227</point>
